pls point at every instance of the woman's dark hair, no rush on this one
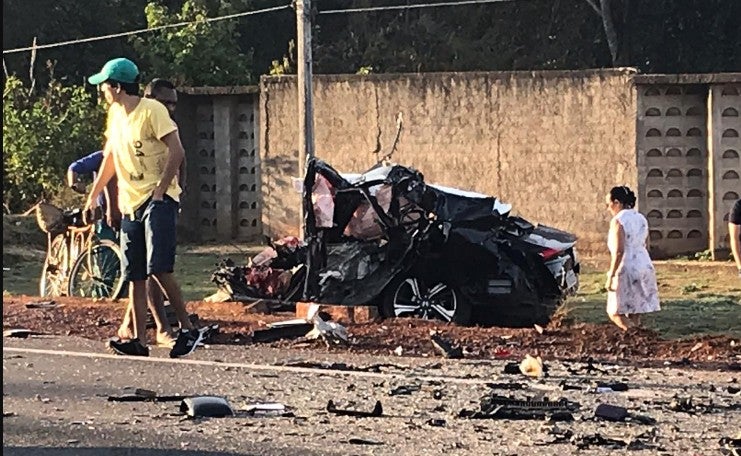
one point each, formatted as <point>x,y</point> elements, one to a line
<point>624,195</point>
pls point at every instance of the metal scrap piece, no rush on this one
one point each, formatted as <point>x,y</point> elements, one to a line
<point>376,412</point>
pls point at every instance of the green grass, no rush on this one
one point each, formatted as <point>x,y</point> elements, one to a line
<point>695,299</point>
<point>193,268</point>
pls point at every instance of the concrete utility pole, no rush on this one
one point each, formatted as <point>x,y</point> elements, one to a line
<point>304,80</point>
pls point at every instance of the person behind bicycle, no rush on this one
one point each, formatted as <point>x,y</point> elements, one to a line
<point>163,91</point>
<point>108,229</point>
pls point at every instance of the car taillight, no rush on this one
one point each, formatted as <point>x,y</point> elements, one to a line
<point>549,253</point>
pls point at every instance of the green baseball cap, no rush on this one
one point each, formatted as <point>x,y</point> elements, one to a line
<point>120,69</point>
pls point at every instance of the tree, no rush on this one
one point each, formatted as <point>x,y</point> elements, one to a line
<point>203,53</point>
<point>42,134</point>
<point>614,25</point>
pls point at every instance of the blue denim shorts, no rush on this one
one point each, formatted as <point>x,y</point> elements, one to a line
<point>148,239</point>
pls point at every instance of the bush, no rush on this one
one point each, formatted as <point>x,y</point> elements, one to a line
<point>42,134</point>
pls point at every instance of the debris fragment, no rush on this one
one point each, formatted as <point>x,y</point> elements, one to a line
<point>607,387</point>
<point>494,406</point>
<point>142,395</point>
<point>267,409</point>
<point>538,328</point>
<point>532,367</point>
<point>398,351</point>
<point>376,412</point>
<point>287,331</point>
<point>446,348</point>
<point>331,332</point>
<point>506,386</point>
<point>436,422</point>
<point>611,412</point>
<point>404,390</point>
<point>512,368</point>
<point>732,446</point>
<point>43,305</point>
<point>584,442</point>
<point>206,406</point>
<point>357,441</point>
<point>566,387</point>
<point>19,333</point>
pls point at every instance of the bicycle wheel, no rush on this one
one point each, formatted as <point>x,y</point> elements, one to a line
<point>98,273</point>
<point>53,280</point>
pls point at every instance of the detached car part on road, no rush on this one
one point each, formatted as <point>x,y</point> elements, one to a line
<point>388,238</point>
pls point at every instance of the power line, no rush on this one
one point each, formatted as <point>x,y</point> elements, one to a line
<point>403,7</point>
<point>137,32</point>
<point>250,13</point>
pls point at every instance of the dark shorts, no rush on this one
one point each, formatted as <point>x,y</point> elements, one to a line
<point>148,241</point>
<point>735,215</point>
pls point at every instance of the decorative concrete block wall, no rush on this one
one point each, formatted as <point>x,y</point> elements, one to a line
<point>218,126</point>
<point>672,156</point>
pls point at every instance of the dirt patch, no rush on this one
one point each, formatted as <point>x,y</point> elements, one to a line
<point>98,320</point>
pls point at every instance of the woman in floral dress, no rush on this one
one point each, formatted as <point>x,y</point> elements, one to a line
<point>631,281</point>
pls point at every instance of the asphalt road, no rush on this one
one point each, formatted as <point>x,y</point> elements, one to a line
<point>55,392</point>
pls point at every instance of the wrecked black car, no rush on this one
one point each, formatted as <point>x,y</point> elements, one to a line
<point>387,238</point>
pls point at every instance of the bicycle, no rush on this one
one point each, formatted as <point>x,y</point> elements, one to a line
<point>77,262</point>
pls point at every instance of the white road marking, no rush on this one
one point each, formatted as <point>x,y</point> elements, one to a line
<point>248,366</point>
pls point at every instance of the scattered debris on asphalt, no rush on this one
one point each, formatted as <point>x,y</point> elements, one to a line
<point>206,406</point>
<point>376,412</point>
<point>494,406</point>
<point>446,348</point>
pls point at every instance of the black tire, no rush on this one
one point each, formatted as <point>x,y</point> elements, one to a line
<point>98,272</point>
<point>53,281</point>
<point>410,296</point>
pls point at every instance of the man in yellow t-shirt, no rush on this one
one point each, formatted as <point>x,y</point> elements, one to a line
<point>144,152</point>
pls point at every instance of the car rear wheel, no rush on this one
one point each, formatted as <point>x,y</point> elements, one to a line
<point>413,297</point>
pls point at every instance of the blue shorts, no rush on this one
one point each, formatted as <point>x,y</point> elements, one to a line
<point>148,239</point>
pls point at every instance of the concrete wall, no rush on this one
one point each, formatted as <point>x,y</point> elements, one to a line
<point>550,143</point>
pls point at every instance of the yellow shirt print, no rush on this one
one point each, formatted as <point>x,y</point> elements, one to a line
<point>139,154</point>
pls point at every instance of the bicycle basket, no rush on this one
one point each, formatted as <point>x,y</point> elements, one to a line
<point>50,219</point>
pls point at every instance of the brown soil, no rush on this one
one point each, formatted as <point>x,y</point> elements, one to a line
<point>604,342</point>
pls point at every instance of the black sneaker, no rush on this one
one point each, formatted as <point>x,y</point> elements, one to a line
<point>186,342</point>
<point>208,333</point>
<point>129,347</point>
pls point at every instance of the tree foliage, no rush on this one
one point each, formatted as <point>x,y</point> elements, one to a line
<point>42,134</point>
<point>202,53</point>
